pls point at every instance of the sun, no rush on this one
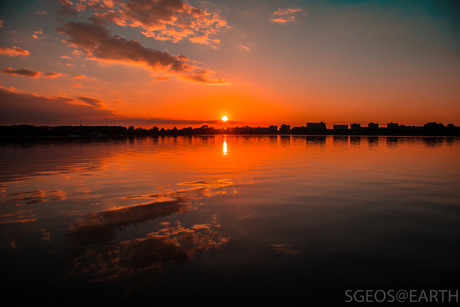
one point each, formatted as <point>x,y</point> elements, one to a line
<point>224,118</point>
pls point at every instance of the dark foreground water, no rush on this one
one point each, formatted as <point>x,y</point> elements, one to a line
<point>224,219</point>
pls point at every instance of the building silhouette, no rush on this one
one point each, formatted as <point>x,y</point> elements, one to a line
<point>356,128</point>
<point>316,128</point>
<point>393,129</point>
<point>372,125</point>
<point>285,129</point>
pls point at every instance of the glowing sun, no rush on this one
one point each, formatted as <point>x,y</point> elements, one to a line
<point>225,118</point>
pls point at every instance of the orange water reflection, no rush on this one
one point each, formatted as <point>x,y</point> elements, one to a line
<point>121,211</point>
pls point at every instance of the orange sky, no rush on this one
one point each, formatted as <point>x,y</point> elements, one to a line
<point>187,63</point>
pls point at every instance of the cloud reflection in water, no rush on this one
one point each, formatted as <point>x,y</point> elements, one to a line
<point>99,258</point>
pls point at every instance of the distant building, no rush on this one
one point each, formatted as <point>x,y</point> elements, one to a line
<point>355,126</point>
<point>340,127</point>
<point>392,125</point>
<point>253,130</point>
<point>286,129</point>
<point>316,126</point>
<point>263,130</point>
<point>373,126</point>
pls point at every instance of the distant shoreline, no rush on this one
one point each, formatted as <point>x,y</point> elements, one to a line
<point>313,129</point>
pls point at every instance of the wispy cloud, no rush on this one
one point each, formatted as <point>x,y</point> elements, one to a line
<point>172,121</point>
<point>39,34</point>
<point>288,11</point>
<point>286,15</point>
<point>91,101</point>
<point>41,13</point>
<point>25,72</point>
<point>52,74</point>
<point>15,51</point>
<point>245,48</point>
<point>83,77</point>
<point>97,42</point>
<point>284,19</point>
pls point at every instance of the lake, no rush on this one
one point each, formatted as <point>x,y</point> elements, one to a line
<point>227,218</point>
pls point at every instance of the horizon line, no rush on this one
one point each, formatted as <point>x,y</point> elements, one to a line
<point>205,123</point>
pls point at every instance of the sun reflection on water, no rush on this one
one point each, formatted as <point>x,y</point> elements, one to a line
<point>224,146</point>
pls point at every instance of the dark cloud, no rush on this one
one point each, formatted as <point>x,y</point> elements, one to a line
<point>91,101</point>
<point>66,8</point>
<point>170,121</point>
<point>98,42</point>
<point>24,72</point>
<point>28,108</point>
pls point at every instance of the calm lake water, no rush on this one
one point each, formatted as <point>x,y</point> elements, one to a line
<point>212,219</point>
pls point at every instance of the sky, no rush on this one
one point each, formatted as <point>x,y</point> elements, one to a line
<point>187,63</point>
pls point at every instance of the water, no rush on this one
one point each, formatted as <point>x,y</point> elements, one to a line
<point>213,219</point>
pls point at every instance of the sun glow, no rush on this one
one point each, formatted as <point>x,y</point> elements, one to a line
<point>224,118</point>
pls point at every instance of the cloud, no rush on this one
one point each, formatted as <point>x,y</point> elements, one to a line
<point>97,42</point>
<point>83,77</point>
<point>164,20</point>
<point>25,72</point>
<point>91,101</point>
<point>171,121</point>
<point>285,15</point>
<point>66,8</point>
<point>245,48</point>
<point>34,109</point>
<point>15,51</point>
<point>28,108</point>
<point>39,34</point>
<point>52,74</point>
<point>289,11</point>
<point>283,19</point>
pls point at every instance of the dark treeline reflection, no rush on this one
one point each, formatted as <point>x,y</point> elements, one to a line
<point>373,141</point>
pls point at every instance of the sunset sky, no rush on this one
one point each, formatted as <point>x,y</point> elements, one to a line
<point>187,63</point>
